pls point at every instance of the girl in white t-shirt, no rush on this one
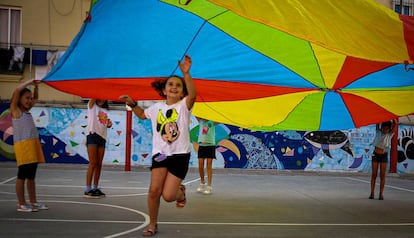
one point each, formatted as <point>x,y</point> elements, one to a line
<point>171,145</point>
<point>382,144</point>
<point>98,122</point>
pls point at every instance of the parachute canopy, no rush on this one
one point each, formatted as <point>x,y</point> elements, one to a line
<point>300,65</point>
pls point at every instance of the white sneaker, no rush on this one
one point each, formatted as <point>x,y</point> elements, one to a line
<point>208,190</point>
<point>200,188</point>
<point>26,208</point>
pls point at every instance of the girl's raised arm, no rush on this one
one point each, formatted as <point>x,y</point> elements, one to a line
<point>14,104</point>
<point>189,83</point>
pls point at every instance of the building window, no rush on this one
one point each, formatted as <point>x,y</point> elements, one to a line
<point>406,10</point>
<point>10,26</point>
<point>397,8</point>
<point>11,52</point>
<point>404,7</point>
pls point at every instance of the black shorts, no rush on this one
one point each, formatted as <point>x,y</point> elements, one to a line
<point>380,158</point>
<point>94,139</point>
<point>27,171</point>
<point>176,164</point>
<point>207,152</point>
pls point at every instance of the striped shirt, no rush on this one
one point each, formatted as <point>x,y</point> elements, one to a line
<point>24,128</point>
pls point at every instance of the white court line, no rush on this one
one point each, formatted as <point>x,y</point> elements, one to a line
<point>78,186</point>
<point>73,221</point>
<point>213,223</point>
<point>76,196</point>
<point>8,180</point>
<point>388,186</point>
<point>104,187</point>
<point>80,195</point>
<point>101,186</point>
<point>143,224</point>
<point>191,181</point>
<point>284,224</point>
<point>62,180</point>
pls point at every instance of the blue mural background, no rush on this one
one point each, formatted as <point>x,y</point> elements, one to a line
<point>62,134</point>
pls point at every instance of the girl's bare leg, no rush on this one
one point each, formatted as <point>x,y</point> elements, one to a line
<point>201,169</point>
<point>93,158</point>
<point>383,168</point>
<point>172,191</point>
<point>374,176</point>
<point>98,165</point>
<point>158,177</point>
<point>20,191</point>
<point>209,171</point>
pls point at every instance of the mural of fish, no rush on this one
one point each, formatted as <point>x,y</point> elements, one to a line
<point>329,140</point>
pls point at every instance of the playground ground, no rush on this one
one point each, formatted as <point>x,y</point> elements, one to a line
<point>244,203</point>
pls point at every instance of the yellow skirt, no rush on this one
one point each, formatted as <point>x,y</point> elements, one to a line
<point>28,151</point>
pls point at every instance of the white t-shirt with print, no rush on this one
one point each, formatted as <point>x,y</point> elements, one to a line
<point>170,126</point>
<point>97,120</point>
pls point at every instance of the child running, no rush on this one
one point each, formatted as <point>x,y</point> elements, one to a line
<point>27,146</point>
<point>171,146</point>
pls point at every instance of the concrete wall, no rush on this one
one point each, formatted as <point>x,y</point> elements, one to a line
<point>387,3</point>
<point>62,134</point>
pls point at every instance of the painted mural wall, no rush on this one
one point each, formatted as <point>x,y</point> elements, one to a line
<point>62,134</point>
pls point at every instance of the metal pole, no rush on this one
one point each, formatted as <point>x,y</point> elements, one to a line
<point>128,139</point>
<point>394,150</point>
<point>31,63</point>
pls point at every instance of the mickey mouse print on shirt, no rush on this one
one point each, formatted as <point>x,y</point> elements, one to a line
<point>167,125</point>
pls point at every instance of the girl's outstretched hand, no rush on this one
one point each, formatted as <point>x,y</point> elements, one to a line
<point>127,99</point>
<point>109,123</point>
<point>185,65</point>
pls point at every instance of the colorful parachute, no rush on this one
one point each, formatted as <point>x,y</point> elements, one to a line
<point>300,65</point>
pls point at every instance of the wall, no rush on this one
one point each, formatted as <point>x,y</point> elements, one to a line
<point>62,133</point>
<point>387,3</point>
<point>46,25</point>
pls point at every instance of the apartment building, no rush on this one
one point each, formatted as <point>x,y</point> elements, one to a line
<point>36,27</point>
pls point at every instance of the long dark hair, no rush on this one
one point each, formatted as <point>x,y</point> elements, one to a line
<point>21,93</point>
<point>386,124</point>
<point>105,105</point>
<point>159,85</point>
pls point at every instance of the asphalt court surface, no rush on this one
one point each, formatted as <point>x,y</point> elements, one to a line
<point>244,203</point>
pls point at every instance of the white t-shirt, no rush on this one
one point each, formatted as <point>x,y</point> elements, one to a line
<point>97,120</point>
<point>382,140</point>
<point>170,126</point>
